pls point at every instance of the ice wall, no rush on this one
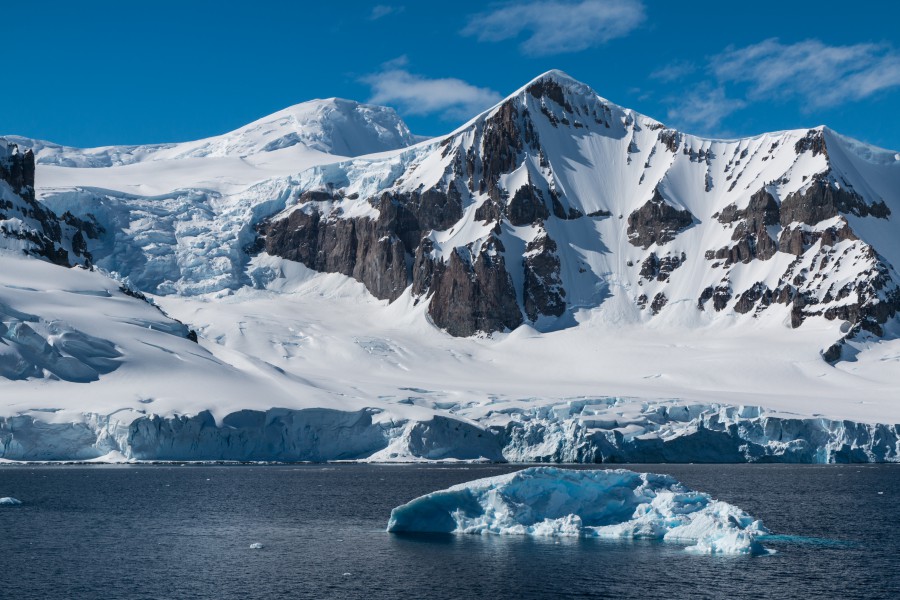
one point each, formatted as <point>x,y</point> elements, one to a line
<point>697,433</point>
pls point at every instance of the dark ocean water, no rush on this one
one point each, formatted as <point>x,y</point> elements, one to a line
<point>184,532</point>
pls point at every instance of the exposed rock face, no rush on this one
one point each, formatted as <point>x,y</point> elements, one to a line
<point>526,206</point>
<point>823,199</point>
<point>657,222</point>
<point>501,144</point>
<point>748,299</point>
<point>359,248</point>
<point>544,293</point>
<point>40,232</point>
<point>720,295</point>
<point>813,142</point>
<point>750,230</point>
<point>660,269</point>
<point>473,293</point>
<point>374,251</point>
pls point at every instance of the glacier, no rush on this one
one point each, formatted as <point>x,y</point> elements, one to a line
<point>616,504</point>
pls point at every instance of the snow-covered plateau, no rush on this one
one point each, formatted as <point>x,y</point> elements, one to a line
<point>616,504</point>
<point>559,280</point>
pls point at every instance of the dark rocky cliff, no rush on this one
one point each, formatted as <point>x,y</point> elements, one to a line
<point>38,230</point>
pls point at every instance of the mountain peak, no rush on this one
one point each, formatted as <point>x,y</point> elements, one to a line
<point>330,125</point>
<point>556,83</point>
<point>557,76</point>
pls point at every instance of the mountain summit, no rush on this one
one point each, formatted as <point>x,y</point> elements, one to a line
<point>331,126</point>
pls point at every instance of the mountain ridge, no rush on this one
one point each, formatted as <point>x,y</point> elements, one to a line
<point>507,135</point>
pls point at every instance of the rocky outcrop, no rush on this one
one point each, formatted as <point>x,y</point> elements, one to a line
<point>38,230</point>
<point>758,292</point>
<point>720,295</point>
<point>473,292</point>
<point>659,301</point>
<point>657,222</point>
<point>375,251</point>
<point>544,292</point>
<point>660,269</point>
<point>823,199</point>
<point>526,206</point>
<point>751,236</point>
<point>813,141</point>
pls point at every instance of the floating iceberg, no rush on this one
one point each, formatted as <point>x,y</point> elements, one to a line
<point>9,502</point>
<point>256,546</point>
<point>548,501</point>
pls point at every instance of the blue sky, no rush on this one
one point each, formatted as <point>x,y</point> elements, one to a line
<point>98,72</point>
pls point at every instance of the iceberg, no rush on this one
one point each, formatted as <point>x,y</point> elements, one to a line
<point>9,501</point>
<point>549,501</point>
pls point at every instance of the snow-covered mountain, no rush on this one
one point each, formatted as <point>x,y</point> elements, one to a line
<point>558,279</point>
<point>332,126</point>
<point>557,202</point>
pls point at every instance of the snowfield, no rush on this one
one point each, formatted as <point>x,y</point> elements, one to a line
<point>293,364</point>
<point>616,504</point>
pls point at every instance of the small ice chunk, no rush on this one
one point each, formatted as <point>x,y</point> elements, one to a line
<point>9,501</point>
<point>256,546</point>
<point>548,501</point>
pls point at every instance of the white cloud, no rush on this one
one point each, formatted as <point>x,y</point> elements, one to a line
<point>704,107</point>
<point>558,26</point>
<point>817,74</point>
<point>810,73</point>
<point>383,10</point>
<point>417,95</point>
<point>674,71</point>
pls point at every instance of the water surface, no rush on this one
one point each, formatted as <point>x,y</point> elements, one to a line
<point>184,532</point>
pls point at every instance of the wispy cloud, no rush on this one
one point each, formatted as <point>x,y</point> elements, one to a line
<point>383,10</point>
<point>811,73</point>
<point>704,107</point>
<point>558,26</point>
<point>415,94</point>
<point>674,71</point>
<point>815,73</point>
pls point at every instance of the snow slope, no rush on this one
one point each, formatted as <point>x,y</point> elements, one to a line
<point>294,364</point>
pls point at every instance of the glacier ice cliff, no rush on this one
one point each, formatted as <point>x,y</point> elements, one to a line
<point>576,431</point>
<point>619,504</point>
